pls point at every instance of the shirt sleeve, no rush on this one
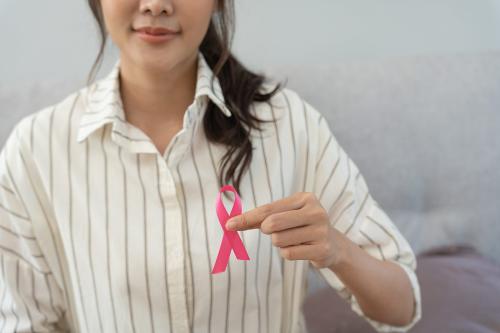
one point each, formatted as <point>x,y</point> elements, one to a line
<point>30,298</point>
<point>344,194</point>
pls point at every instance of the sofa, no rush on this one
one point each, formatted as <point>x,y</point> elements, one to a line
<point>425,133</point>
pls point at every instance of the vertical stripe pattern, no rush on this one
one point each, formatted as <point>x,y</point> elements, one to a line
<point>101,232</point>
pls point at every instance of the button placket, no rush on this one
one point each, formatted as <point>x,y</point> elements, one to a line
<point>175,247</point>
<point>163,181</point>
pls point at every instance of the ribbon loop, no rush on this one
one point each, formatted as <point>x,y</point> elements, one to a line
<point>231,239</point>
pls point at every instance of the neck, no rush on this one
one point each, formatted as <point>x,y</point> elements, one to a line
<point>153,96</point>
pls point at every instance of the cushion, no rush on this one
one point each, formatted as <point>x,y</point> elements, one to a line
<point>460,293</point>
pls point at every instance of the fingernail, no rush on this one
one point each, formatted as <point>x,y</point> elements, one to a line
<point>230,224</point>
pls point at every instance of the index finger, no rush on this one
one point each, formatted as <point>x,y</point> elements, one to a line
<point>253,218</point>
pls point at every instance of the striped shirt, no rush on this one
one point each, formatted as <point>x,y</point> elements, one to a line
<point>99,232</point>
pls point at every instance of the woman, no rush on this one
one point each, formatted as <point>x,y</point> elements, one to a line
<point>107,198</point>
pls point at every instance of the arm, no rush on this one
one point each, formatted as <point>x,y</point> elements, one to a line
<point>30,297</point>
<point>375,266</point>
<point>382,288</point>
<point>343,232</point>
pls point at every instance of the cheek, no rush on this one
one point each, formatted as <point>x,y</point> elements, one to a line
<point>118,16</point>
<point>195,16</point>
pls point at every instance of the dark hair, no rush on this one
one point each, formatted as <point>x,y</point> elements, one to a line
<point>239,85</point>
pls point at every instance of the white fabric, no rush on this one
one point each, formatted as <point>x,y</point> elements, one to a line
<point>100,232</point>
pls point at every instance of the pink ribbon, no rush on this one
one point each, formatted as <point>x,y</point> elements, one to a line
<point>231,239</point>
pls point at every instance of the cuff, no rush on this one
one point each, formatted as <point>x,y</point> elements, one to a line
<point>335,283</point>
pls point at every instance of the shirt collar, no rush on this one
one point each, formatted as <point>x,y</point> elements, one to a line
<point>104,104</point>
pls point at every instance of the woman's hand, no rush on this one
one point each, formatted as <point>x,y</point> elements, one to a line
<point>298,225</point>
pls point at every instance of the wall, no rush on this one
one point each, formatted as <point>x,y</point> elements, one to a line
<point>57,40</point>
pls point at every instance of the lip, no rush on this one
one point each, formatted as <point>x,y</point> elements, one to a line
<point>155,30</point>
<point>155,34</point>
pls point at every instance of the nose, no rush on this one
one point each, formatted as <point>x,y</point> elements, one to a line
<point>157,7</point>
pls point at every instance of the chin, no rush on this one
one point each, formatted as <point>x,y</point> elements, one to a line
<point>159,63</point>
